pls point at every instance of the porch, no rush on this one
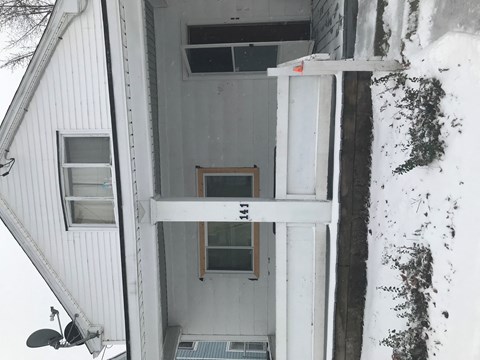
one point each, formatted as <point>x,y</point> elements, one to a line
<point>272,285</point>
<point>290,281</point>
<point>305,212</point>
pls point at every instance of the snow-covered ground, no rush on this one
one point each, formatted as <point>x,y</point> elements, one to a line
<point>436,205</point>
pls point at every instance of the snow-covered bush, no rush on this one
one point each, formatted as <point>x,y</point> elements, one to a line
<point>420,104</point>
<point>415,266</point>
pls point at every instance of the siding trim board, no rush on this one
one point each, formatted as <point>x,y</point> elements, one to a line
<point>133,125</point>
<point>118,104</point>
<point>116,165</point>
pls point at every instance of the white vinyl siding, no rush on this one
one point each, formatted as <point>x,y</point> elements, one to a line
<point>72,95</point>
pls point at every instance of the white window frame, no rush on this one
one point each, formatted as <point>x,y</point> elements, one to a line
<point>192,348</point>
<point>187,22</point>
<point>245,347</point>
<point>62,165</point>
<point>280,46</point>
<point>202,173</point>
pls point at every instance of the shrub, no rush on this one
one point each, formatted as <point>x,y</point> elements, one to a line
<point>421,106</point>
<point>415,266</point>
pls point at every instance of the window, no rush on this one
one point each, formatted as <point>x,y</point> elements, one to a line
<point>247,33</point>
<point>86,180</point>
<point>231,58</point>
<point>247,346</point>
<point>244,48</point>
<point>229,246</point>
<point>187,345</point>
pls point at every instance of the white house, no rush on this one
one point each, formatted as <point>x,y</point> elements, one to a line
<point>153,185</point>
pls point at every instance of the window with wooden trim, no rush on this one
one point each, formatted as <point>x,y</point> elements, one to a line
<point>229,246</point>
<point>85,167</point>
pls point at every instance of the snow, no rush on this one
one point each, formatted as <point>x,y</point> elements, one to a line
<point>436,205</point>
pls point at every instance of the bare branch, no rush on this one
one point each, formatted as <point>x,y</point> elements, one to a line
<point>18,60</point>
<point>24,22</point>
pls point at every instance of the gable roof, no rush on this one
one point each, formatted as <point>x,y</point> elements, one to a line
<point>63,13</point>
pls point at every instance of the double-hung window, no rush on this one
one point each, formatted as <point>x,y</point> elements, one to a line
<point>229,246</point>
<point>86,180</point>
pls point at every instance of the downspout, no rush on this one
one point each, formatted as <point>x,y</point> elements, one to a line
<point>116,166</point>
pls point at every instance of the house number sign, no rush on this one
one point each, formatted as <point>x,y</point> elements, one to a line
<point>244,211</point>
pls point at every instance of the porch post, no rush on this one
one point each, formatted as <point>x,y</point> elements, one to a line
<point>239,210</point>
<point>332,67</point>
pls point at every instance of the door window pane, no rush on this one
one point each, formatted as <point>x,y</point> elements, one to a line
<point>87,150</point>
<point>229,234</point>
<point>229,259</point>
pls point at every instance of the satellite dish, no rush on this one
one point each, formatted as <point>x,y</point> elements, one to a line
<point>44,337</point>
<point>72,334</point>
